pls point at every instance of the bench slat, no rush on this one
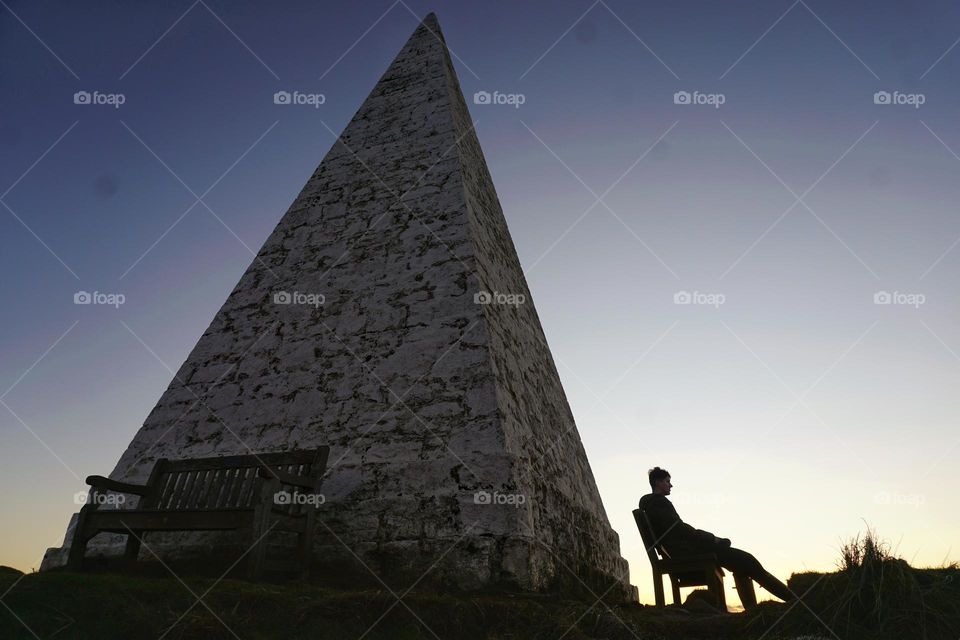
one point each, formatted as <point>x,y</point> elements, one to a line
<point>230,496</point>
<point>202,486</point>
<point>176,479</point>
<point>224,482</point>
<point>188,477</point>
<point>189,490</point>
<point>247,486</point>
<point>214,487</point>
<point>160,480</point>
<point>199,484</point>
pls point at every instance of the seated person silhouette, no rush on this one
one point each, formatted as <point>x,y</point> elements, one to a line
<point>680,539</point>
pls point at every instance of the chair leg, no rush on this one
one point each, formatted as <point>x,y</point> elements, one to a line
<point>658,589</point>
<point>748,596</point>
<point>716,589</point>
<point>676,592</point>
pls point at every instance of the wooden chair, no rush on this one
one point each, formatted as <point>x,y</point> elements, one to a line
<point>700,570</point>
<point>254,494</point>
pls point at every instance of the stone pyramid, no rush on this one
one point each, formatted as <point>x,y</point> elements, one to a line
<point>387,316</point>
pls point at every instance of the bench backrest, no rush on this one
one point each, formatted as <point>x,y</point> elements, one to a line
<point>229,482</point>
<point>649,539</point>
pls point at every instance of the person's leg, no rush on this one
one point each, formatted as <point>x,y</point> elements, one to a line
<point>739,561</point>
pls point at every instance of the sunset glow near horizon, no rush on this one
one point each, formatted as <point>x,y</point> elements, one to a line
<point>738,225</point>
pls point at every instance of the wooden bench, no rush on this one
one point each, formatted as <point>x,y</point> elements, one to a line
<point>689,571</point>
<point>247,493</point>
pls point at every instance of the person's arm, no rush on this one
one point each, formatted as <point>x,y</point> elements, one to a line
<point>669,526</point>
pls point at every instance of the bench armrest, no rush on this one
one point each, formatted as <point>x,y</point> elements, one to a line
<point>696,557</point>
<point>287,478</point>
<point>99,482</point>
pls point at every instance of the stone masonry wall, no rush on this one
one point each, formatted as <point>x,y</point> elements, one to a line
<point>568,525</point>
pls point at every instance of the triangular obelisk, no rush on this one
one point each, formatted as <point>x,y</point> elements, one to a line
<point>387,316</point>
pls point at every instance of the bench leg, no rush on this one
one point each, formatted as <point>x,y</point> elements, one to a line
<point>258,538</point>
<point>305,545</point>
<point>303,554</point>
<point>79,545</point>
<point>658,589</point>
<point>716,589</point>
<point>257,553</point>
<point>77,550</point>
<point>676,592</point>
<point>132,550</point>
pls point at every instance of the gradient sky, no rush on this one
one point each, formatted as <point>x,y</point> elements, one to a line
<point>791,415</point>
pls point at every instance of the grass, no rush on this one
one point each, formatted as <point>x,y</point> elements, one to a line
<point>875,595</point>
<point>104,606</point>
<point>872,595</point>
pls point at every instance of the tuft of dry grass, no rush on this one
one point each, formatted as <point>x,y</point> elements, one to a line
<point>867,551</point>
<point>876,595</point>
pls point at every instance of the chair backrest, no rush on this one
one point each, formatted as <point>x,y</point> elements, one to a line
<point>648,536</point>
<point>227,482</point>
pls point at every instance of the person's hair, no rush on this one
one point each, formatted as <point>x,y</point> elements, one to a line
<point>656,474</point>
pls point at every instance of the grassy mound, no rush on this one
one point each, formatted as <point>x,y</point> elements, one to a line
<point>873,595</point>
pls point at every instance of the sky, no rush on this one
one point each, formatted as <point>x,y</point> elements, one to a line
<point>738,222</point>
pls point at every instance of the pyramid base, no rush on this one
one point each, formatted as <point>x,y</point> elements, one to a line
<point>466,564</point>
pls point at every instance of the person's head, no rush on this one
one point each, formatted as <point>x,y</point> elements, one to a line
<point>659,481</point>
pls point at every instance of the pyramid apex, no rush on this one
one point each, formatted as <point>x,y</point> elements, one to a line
<point>430,21</point>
